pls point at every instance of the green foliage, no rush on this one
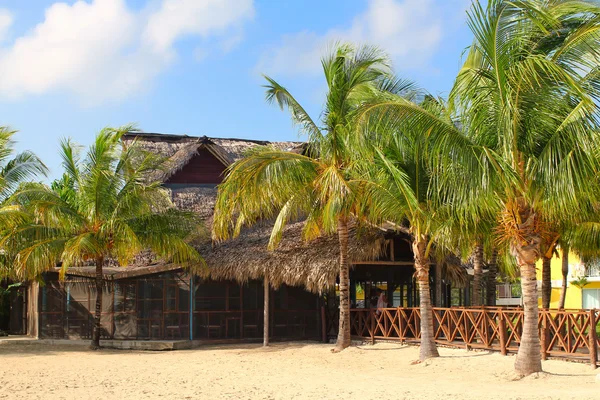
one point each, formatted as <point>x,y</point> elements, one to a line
<point>321,184</point>
<point>527,92</point>
<point>580,282</point>
<point>103,207</point>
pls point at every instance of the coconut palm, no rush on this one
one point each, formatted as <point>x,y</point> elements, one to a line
<point>16,170</point>
<point>318,184</point>
<point>13,172</point>
<point>104,209</point>
<point>525,99</point>
<point>565,276</point>
<point>527,92</point>
<point>410,177</point>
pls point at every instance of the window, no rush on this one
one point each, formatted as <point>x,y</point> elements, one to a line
<point>591,298</point>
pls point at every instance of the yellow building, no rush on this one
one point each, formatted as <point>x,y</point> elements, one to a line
<point>586,297</point>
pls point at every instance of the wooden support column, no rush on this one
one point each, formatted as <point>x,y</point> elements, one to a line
<point>502,331</point>
<point>593,339</point>
<point>391,287</point>
<point>323,325</point>
<point>544,335</point>
<point>266,312</point>
<point>33,316</point>
<point>373,324</point>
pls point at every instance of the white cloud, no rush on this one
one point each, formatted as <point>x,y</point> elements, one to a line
<point>408,30</point>
<point>102,50</point>
<point>200,17</point>
<point>6,20</point>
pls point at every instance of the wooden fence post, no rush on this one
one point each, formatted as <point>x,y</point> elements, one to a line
<point>544,334</point>
<point>400,325</point>
<point>502,332</point>
<point>372,317</point>
<point>466,339</point>
<point>593,339</point>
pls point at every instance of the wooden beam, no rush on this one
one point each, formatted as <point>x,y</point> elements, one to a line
<point>411,263</point>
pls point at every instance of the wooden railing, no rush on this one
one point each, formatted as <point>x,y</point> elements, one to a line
<point>571,334</point>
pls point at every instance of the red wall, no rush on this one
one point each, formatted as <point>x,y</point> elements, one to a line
<point>203,168</point>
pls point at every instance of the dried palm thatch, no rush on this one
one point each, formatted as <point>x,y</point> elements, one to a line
<point>180,149</point>
<point>200,200</point>
<point>455,271</point>
<point>314,264</point>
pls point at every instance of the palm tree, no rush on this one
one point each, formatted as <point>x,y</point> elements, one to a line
<point>527,92</point>
<point>318,185</point>
<point>565,277</point>
<point>409,178</point>
<point>525,99</point>
<point>14,171</point>
<point>105,208</point>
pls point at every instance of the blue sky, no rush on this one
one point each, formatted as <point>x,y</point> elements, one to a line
<point>69,68</point>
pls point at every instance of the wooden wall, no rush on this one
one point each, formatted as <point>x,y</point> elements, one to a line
<point>203,168</point>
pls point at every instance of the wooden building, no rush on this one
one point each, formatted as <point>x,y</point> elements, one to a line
<point>224,301</point>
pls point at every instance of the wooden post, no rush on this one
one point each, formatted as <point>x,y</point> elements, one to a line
<point>467,346</point>
<point>372,317</point>
<point>323,325</point>
<point>544,334</point>
<point>266,312</point>
<point>593,338</point>
<point>400,325</point>
<point>502,331</point>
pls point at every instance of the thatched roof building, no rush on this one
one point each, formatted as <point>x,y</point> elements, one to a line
<point>313,265</point>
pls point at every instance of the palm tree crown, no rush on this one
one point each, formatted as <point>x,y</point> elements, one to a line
<point>104,208</point>
<point>319,184</point>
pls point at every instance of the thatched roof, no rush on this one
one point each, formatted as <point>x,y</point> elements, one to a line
<point>180,149</point>
<point>314,264</point>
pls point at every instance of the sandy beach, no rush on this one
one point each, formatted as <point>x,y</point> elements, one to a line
<point>283,371</point>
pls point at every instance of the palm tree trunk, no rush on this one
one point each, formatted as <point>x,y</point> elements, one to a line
<point>565,274</point>
<point>98,313</point>
<point>428,348</point>
<point>266,312</point>
<point>528,360</point>
<point>343,339</point>
<point>546,282</point>
<point>491,279</point>
<point>477,275</point>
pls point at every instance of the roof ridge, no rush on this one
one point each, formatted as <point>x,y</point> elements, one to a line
<point>185,136</point>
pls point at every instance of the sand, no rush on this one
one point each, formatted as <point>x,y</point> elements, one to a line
<point>283,371</point>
